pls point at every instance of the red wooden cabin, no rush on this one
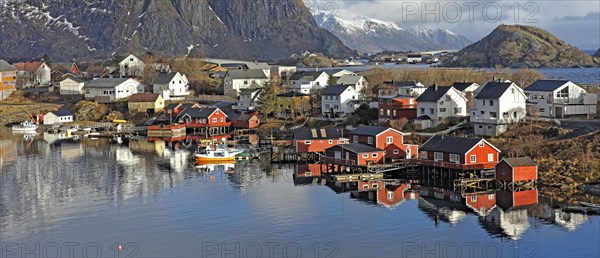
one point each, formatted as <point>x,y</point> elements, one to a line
<point>396,107</point>
<point>458,153</point>
<point>315,140</point>
<point>516,170</point>
<point>355,154</point>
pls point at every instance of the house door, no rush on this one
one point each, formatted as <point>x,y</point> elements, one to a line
<point>338,155</point>
<point>559,112</point>
<point>407,153</point>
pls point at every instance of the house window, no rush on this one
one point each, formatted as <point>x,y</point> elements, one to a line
<point>473,198</point>
<point>431,111</point>
<point>307,142</point>
<point>480,126</point>
<point>512,91</point>
<point>307,173</point>
<point>438,156</point>
<point>365,156</point>
<point>482,144</point>
<point>366,186</point>
<point>454,158</point>
<point>374,185</point>
<point>381,101</point>
<point>442,110</point>
<point>542,110</point>
<point>390,195</point>
<point>503,171</point>
<point>394,112</point>
<point>422,111</point>
<point>493,115</point>
<point>458,110</point>
<point>491,157</point>
<point>330,141</point>
<point>374,155</point>
<point>473,158</point>
<point>424,154</point>
<point>390,139</point>
<point>491,102</point>
<point>221,119</point>
<point>396,151</point>
<point>370,140</point>
<point>381,112</point>
<point>491,196</point>
<point>214,119</point>
<point>355,139</point>
<point>483,112</point>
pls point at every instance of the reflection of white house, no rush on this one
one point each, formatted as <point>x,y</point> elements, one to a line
<point>112,89</point>
<point>172,85</point>
<point>71,86</point>
<point>497,105</point>
<point>438,103</point>
<point>306,81</point>
<point>338,100</point>
<point>178,159</point>
<point>554,98</point>
<point>513,223</point>
<point>569,221</point>
<point>236,80</point>
<point>132,66</point>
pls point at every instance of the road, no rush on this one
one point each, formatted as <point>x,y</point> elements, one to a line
<point>579,126</point>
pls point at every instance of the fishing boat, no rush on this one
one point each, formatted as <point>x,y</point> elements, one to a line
<point>218,154</point>
<point>27,126</point>
<point>592,205</point>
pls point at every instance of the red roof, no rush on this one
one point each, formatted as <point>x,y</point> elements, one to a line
<point>28,66</point>
<point>143,97</point>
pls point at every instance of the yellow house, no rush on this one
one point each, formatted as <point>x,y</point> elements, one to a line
<point>292,104</point>
<point>146,102</point>
<point>8,79</point>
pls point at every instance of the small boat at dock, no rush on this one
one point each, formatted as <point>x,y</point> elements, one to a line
<point>27,126</point>
<point>588,204</point>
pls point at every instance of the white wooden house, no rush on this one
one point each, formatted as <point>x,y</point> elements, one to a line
<point>58,117</point>
<point>338,100</point>
<point>358,82</point>
<point>557,98</point>
<point>31,74</point>
<point>438,103</point>
<point>71,86</point>
<point>236,80</point>
<point>172,85</point>
<point>112,89</point>
<point>248,100</point>
<point>307,81</point>
<point>497,105</point>
<point>132,66</point>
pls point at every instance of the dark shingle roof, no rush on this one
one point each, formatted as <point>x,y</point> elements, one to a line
<point>105,82</point>
<point>450,144</point>
<point>299,75</point>
<point>402,83</point>
<point>493,90</point>
<point>335,90</point>
<point>357,147</point>
<point>462,86</point>
<point>198,112</point>
<point>368,130</point>
<point>520,162</point>
<point>61,112</point>
<point>293,94</point>
<point>546,85</point>
<point>164,78</point>
<point>433,95</point>
<point>247,74</point>
<point>305,133</point>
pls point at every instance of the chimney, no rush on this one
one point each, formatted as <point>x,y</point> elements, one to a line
<point>435,88</point>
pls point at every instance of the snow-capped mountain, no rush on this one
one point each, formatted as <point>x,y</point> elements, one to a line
<point>370,35</point>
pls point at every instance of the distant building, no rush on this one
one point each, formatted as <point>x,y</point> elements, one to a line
<point>405,88</point>
<point>497,105</point>
<point>358,82</point>
<point>71,86</point>
<point>60,116</point>
<point>414,58</point>
<point>245,121</point>
<point>292,104</point>
<point>8,79</point>
<point>466,87</point>
<point>284,72</point>
<point>145,103</point>
<point>337,73</point>
<point>112,89</point>
<point>236,80</point>
<point>557,98</point>
<point>172,85</point>
<point>31,74</point>
<point>132,66</point>
<point>248,99</point>
<point>396,107</point>
<point>337,100</point>
<point>307,81</point>
<point>439,103</point>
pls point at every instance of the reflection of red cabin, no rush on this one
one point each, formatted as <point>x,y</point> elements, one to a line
<point>396,107</point>
<point>458,153</point>
<point>391,195</point>
<point>481,203</point>
<point>354,154</point>
<point>308,170</point>
<point>516,170</point>
<point>370,185</point>
<point>316,140</point>
<point>515,199</point>
<point>388,139</point>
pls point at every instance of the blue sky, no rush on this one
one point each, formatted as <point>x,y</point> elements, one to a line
<point>577,22</point>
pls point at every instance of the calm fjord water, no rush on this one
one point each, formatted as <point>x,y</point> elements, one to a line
<point>90,197</point>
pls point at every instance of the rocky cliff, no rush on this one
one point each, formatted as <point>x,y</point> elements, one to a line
<point>522,46</point>
<point>66,29</point>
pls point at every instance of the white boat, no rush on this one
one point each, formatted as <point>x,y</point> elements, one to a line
<point>26,126</point>
<point>219,154</point>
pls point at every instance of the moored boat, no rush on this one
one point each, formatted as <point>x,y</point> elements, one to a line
<point>216,155</point>
<point>592,205</point>
<point>27,126</point>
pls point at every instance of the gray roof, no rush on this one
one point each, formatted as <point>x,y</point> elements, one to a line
<point>520,162</point>
<point>357,147</point>
<point>247,74</point>
<point>493,90</point>
<point>164,78</point>
<point>368,130</point>
<point>546,85</point>
<point>352,79</point>
<point>433,95</point>
<point>305,133</point>
<point>105,82</point>
<point>335,90</point>
<point>5,66</point>
<point>62,112</point>
<point>197,112</point>
<point>462,86</point>
<point>450,144</point>
<point>299,75</point>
